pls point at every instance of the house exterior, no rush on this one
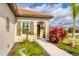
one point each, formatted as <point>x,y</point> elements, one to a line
<point>7,29</point>
<point>39,26</point>
<point>12,22</point>
<point>35,25</point>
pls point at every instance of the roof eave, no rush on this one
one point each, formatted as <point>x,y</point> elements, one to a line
<point>13,8</point>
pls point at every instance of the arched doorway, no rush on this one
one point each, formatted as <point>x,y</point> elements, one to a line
<point>41,29</point>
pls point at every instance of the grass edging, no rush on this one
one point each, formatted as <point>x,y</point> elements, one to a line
<point>66,47</point>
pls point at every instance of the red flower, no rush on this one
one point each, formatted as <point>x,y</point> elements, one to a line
<point>57,34</point>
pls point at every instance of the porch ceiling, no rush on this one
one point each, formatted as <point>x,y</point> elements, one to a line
<point>20,12</point>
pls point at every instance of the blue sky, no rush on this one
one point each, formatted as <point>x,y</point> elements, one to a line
<point>61,12</point>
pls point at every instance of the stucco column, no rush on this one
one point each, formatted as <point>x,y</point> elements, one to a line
<point>47,29</point>
<point>35,29</point>
<point>21,27</point>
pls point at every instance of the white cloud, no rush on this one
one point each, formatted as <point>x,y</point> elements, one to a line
<point>38,8</point>
<point>44,7</point>
<point>55,8</point>
<point>28,8</point>
<point>63,15</point>
<point>53,22</point>
<point>55,11</point>
<point>61,12</point>
<point>68,17</point>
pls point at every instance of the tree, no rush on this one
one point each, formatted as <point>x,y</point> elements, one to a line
<point>75,11</point>
<point>27,32</point>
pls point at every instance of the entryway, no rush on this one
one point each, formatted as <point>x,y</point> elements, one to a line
<point>41,29</point>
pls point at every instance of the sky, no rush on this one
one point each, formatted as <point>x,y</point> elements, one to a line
<point>61,12</point>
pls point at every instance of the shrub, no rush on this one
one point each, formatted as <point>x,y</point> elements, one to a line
<point>70,30</point>
<point>57,34</point>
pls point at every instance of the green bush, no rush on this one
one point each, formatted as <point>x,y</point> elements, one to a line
<point>70,30</point>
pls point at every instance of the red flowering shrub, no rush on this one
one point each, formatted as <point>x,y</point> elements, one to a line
<point>57,34</point>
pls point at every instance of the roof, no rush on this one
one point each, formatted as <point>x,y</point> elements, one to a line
<point>31,13</point>
<point>21,12</point>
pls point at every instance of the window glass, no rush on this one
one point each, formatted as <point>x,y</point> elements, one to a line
<point>25,26</point>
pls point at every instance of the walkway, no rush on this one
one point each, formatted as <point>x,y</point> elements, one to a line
<point>52,49</point>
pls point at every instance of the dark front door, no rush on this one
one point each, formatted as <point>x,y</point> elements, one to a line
<point>38,30</point>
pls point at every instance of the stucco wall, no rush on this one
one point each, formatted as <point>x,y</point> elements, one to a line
<point>7,39</point>
<point>20,38</point>
<point>33,27</point>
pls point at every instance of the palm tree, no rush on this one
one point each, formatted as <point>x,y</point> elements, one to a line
<point>75,11</point>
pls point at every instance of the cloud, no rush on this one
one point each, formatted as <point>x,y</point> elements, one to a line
<point>48,8</point>
<point>62,16</point>
<point>43,8</point>
<point>61,12</point>
<point>28,8</point>
<point>53,22</point>
<point>40,8</point>
<point>65,22</point>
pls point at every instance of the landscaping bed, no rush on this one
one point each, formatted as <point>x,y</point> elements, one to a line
<point>31,49</point>
<point>65,45</point>
<point>62,39</point>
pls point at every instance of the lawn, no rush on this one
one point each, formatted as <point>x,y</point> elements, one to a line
<point>31,49</point>
<point>65,46</point>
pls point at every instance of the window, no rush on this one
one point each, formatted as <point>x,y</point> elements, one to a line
<point>25,26</point>
<point>7,24</point>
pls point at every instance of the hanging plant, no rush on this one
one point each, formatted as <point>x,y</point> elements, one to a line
<point>41,27</point>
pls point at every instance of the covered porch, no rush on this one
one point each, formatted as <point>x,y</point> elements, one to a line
<point>39,29</point>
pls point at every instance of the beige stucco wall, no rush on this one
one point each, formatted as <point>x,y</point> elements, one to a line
<point>32,27</point>
<point>7,39</point>
<point>20,38</point>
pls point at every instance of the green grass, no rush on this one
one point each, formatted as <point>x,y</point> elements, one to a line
<point>65,46</point>
<point>32,49</point>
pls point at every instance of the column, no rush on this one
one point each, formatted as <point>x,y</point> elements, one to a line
<point>35,29</point>
<point>21,27</point>
<point>47,29</point>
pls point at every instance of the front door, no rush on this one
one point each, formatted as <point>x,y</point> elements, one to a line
<point>38,30</point>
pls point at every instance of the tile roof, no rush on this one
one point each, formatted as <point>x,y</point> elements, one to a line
<point>31,13</point>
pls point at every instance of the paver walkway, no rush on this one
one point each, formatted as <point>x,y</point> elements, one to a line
<point>52,49</point>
